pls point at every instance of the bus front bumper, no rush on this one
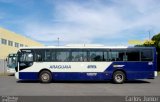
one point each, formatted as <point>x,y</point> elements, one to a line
<point>17,75</point>
<point>11,71</point>
<point>155,73</point>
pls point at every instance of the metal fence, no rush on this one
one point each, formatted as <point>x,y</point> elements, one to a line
<point>3,66</point>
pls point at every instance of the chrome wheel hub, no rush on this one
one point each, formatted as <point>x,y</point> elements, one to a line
<point>119,78</point>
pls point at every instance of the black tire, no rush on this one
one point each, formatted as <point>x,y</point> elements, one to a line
<point>119,77</point>
<point>45,77</point>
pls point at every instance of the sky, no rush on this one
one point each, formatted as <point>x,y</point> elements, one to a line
<point>107,22</point>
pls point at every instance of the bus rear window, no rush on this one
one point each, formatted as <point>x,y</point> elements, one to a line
<point>146,55</point>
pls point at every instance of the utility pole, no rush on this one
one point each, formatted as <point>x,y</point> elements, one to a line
<point>149,34</point>
<point>58,41</point>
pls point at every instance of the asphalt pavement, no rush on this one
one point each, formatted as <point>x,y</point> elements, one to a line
<point>11,87</point>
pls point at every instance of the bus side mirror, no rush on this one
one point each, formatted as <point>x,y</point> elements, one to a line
<point>6,59</point>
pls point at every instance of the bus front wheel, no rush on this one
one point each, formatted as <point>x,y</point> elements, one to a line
<point>45,77</point>
<point>119,77</point>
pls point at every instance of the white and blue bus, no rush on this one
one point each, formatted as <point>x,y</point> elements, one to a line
<point>86,63</point>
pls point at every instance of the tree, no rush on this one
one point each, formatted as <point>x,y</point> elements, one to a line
<point>156,38</point>
<point>147,43</point>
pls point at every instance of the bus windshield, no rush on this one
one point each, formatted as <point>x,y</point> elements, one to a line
<point>12,61</point>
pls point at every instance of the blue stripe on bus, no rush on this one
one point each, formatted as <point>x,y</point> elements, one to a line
<point>85,76</point>
<point>28,75</point>
<point>67,76</point>
<point>134,70</point>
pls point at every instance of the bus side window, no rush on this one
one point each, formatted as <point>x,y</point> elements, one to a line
<point>116,55</point>
<point>26,57</point>
<point>62,56</point>
<point>96,55</point>
<point>125,58</point>
<point>133,55</point>
<point>38,55</point>
<point>79,56</point>
<point>146,55</point>
<point>47,55</point>
<point>29,57</point>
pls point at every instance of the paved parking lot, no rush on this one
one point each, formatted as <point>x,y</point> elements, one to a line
<point>10,86</point>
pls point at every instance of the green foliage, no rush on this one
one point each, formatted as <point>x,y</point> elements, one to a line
<point>149,43</point>
<point>156,38</point>
<point>155,41</point>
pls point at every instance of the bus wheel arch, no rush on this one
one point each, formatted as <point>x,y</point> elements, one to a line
<point>119,76</point>
<point>45,76</point>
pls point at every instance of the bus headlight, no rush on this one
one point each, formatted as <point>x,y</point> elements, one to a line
<point>155,73</point>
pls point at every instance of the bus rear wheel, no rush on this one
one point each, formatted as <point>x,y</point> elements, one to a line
<point>45,77</point>
<point>119,77</point>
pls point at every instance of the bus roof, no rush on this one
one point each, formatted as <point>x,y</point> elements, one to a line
<point>84,47</point>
